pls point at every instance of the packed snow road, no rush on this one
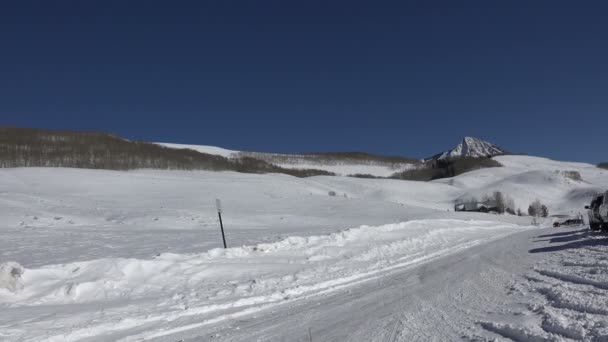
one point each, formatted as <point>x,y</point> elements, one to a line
<point>424,280</point>
<point>118,298</point>
<point>535,285</point>
<point>181,294</point>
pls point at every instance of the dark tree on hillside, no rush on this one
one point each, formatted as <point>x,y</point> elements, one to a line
<point>544,211</point>
<point>437,169</point>
<point>538,209</point>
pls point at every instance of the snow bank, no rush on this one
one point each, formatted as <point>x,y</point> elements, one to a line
<point>211,284</point>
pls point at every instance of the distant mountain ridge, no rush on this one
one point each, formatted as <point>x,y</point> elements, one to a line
<point>471,147</point>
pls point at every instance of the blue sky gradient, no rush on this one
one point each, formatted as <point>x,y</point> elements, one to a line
<point>404,78</point>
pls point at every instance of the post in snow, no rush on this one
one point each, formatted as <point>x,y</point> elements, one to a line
<point>218,204</point>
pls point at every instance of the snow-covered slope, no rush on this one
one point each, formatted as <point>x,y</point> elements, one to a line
<point>346,169</point>
<point>107,209</point>
<point>471,147</point>
<point>203,149</point>
<point>111,255</point>
<point>526,178</point>
<point>340,164</point>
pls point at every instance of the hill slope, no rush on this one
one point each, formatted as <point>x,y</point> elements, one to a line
<point>23,147</point>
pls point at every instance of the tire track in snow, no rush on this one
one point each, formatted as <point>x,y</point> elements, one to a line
<point>347,258</point>
<point>567,294</point>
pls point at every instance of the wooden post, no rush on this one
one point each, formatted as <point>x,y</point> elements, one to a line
<point>218,204</point>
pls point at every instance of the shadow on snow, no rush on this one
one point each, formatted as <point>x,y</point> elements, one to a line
<point>575,239</point>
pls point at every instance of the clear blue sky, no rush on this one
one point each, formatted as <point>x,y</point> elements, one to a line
<point>392,77</point>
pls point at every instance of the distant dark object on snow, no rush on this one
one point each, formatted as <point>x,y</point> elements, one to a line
<point>481,207</point>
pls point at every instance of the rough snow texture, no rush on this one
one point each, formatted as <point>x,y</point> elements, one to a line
<point>154,293</point>
<point>10,276</point>
<point>471,147</point>
<point>566,294</point>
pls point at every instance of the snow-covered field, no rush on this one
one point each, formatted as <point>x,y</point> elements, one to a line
<point>110,255</point>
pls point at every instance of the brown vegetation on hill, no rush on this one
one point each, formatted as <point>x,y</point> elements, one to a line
<point>27,147</point>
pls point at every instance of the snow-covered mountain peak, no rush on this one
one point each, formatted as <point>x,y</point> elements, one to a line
<point>471,147</point>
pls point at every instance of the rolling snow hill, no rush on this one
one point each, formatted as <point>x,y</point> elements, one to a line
<point>526,178</point>
<point>339,163</point>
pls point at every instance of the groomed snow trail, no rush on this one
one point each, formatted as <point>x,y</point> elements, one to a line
<point>134,299</point>
<point>500,290</point>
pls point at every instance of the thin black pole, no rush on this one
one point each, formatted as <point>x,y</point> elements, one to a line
<point>219,213</point>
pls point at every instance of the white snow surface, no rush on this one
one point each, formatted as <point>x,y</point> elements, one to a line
<point>203,149</point>
<point>347,169</point>
<point>526,178</point>
<point>340,168</point>
<point>109,255</point>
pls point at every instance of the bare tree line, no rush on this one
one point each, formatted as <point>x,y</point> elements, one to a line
<point>27,147</point>
<point>333,158</point>
<point>437,169</point>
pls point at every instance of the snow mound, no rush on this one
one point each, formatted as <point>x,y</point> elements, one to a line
<point>10,276</point>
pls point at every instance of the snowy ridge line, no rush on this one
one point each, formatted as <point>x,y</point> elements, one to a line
<point>173,291</point>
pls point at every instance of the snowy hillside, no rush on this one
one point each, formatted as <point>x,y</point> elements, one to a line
<point>102,255</point>
<point>527,178</point>
<point>342,164</point>
<point>471,147</point>
<point>203,149</point>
